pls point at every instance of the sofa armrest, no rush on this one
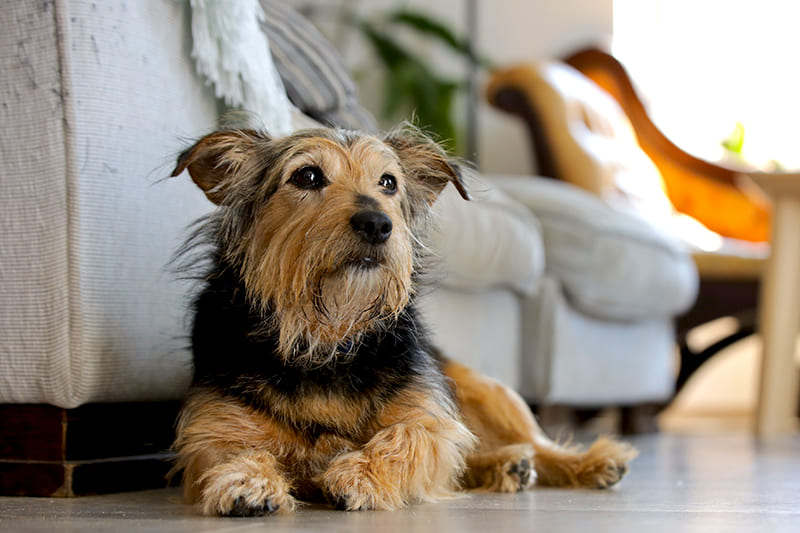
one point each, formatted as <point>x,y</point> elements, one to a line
<point>612,264</point>
<point>489,242</point>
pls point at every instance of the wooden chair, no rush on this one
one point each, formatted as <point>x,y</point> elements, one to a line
<point>547,96</point>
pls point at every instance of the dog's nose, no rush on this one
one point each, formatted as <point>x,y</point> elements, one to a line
<point>372,226</point>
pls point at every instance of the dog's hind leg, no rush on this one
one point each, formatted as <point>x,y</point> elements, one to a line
<point>512,443</point>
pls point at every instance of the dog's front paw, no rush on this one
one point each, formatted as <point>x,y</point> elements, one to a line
<point>355,483</point>
<point>249,505</point>
<point>228,492</point>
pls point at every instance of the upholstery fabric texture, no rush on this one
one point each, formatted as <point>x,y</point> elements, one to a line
<point>612,264</point>
<point>491,241</point>
<point>480,328</point>
<point>89,310</point>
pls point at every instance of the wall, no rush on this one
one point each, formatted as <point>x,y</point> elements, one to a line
<point>508,31</point>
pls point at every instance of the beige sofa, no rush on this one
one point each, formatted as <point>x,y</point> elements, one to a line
<point>100,97</point>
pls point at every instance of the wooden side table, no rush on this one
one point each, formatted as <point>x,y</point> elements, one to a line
<point>780,308</point>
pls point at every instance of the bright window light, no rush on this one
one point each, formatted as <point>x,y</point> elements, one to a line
<point>701,66</point>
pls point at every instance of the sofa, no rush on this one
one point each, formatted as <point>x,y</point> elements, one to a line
<point>536,283</point>
<point>589,127</point>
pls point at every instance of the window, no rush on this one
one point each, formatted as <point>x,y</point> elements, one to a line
<point>702,65</point>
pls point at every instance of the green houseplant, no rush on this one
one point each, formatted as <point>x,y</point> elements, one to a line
<point>411,85</point>
<point>412,88</point>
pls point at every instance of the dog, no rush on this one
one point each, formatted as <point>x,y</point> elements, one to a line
<point>315,378</point>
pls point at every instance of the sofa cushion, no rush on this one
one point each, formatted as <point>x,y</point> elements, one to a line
<point>491,241</point>
<point>313,73</point>
<point>612,264</point>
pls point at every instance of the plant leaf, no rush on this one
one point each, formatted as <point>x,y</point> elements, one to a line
<point>387,49</point>
<point>411,86</point>
<point>434,28</point>
<point>734,142</point>
<point>430,26</point>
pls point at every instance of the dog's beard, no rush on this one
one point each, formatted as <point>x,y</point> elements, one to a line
<point>339,307</point>
<point>325,290</point>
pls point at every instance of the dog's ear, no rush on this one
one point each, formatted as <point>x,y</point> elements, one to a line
<point>425,163</point>
<point>214,160</point>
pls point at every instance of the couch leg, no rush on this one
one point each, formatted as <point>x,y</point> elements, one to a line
<point>639,419</point>
<point>585,422</point>
<point>578,422</point>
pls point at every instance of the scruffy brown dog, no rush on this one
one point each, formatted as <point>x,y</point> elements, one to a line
<point>314,376</point>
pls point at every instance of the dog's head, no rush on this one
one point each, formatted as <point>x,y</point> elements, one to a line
<point>323,226</point>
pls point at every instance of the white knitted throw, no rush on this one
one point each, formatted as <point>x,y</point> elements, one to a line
<point>232,53</point>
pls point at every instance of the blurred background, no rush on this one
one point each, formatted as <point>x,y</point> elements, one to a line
<point>717,78</point>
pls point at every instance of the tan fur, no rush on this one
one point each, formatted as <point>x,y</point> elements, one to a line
<point>249,478</point>
<point>415,454</point>
<point>511,441</point>
<point>304,251</point>
<point>295,252</point>
<point>413,451</point>
<point>214,430</point>
<point>294,259</point>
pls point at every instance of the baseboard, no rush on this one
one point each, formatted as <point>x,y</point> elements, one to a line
<point>93,449</point>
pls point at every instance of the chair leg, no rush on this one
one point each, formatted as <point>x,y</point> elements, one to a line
<point>691,361</point>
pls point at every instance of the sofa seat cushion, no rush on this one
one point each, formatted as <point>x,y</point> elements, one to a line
<point>489,242</point>
<point>611,264</point>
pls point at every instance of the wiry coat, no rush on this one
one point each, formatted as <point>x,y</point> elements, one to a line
<point>314,375</point>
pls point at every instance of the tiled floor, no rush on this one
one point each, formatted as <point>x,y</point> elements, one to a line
<point>720,483</point>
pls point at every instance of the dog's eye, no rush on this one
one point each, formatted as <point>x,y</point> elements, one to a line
<point>389,183</point>
<point>308,178</point>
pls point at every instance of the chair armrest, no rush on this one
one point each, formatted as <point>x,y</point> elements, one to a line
<point>611,264</point>
<point>716,195</point>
